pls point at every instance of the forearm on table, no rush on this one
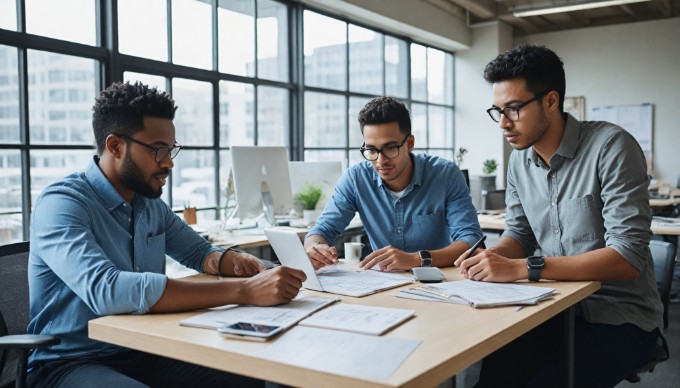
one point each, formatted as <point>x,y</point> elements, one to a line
<point>508,247</point>
<point>184,295</point>
<point>603,264</point>
<point>446,256</point>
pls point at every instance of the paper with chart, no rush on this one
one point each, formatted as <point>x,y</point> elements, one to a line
<point>358,318</point>
<point>283,315</point>
<point>479,294</point>
<point>343,353</point>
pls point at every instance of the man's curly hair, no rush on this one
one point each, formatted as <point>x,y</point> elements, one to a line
<point>540,67</point>
<point>383,110</point>
<point>120,109</point>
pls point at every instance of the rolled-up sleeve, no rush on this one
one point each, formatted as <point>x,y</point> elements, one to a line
<point>625,196</point>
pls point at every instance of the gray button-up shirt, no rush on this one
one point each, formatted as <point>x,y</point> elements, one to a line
<point>593,195</point>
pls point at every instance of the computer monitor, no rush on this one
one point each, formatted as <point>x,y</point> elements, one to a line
<point>324,174</point>
<point>253,165</point>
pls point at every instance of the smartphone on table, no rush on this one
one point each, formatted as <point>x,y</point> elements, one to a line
<point>250,331</point>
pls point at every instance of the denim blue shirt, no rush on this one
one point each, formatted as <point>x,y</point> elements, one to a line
<point>94,254</point>
<point>593,195</point>
<point>435,210</point>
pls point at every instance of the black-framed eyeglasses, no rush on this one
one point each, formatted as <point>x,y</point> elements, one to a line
<point>511,112</point>
<point>389,151</point>
<point>161,152</point>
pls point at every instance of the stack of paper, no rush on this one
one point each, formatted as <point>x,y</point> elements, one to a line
<point>284,315</point>
<point>357,318</point>
<point>479,294</point>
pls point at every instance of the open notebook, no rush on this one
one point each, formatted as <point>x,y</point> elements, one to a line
<point>291,253</point>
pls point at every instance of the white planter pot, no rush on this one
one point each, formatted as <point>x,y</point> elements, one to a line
<point>310,216</point>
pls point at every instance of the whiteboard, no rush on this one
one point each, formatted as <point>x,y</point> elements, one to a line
<point>636,119</point>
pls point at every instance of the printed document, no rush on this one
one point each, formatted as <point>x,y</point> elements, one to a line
<point>284,315</point>
<point>479,294</point>
<point>358,318</point>
<point>343,353</point>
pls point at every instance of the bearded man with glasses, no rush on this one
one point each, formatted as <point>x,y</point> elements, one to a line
<point>98,244</point>
<point>577,192</point>
<point>416,209</point>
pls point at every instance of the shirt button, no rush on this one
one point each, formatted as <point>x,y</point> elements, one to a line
<point>125,205</point>
<point>129,219</point>
<point>137,268</point>
<point>552,204</point>
<point>399,231</point>
<point>556,231</point>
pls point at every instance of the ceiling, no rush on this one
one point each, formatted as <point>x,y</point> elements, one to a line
<point>481,11</point>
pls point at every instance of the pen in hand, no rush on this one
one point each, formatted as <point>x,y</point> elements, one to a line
<point>474,247</point>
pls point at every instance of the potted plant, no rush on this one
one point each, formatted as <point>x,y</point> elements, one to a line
<point>488,180</point>
<point>490,167</point>
<point>309,197</point>
<point>459,156</point>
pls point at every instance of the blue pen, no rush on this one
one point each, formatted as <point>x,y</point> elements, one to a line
<point>474,247</point>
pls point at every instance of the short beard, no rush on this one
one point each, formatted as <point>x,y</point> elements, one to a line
<point>133,178</point>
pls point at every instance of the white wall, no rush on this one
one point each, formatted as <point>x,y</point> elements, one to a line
<point>632,63</point>
<point>475,131</point>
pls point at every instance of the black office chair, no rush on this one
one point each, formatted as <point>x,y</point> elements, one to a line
<point>493,200</point>
<point>663,254</point>
<point>15,344</point>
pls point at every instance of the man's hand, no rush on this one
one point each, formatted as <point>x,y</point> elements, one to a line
<point>241,264</point>
<point>390,258</point>
<point>491,267</point>
<point>321,255</point>
<point>273,287</point>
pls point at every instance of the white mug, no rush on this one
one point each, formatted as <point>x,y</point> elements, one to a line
<point>353,251</point>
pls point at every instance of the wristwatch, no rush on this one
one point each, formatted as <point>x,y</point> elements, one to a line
<point>535,264</point>
<point>425,258</point>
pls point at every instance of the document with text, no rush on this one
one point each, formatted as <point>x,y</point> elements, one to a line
<point>343,353</point>
<point>479,294</point>
<point>284,315</point>
<point>358,318</point>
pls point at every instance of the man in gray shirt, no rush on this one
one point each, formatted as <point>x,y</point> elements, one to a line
<point>576,191</point>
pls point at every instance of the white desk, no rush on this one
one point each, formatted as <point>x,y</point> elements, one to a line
<point>453,338</point>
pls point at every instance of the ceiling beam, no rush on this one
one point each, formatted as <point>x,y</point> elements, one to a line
<point>629,12</point>
<point>484,9</point>
<point>520,23</point>
<point>665,7</point>
<point>448,7</point>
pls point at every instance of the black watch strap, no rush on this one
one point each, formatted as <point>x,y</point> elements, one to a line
<point>425,258</point>
<point>535,265</point>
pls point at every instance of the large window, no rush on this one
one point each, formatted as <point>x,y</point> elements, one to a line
<point>345,65</point>
<point>234,71</point>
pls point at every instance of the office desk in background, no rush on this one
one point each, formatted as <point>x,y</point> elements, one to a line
<point>453,338</point>
<point>496,222</point>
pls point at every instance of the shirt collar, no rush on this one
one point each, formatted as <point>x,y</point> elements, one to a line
<point>568,145</point>
<point>108,196</point>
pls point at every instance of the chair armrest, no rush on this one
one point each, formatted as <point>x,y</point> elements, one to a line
<point>28,341</point>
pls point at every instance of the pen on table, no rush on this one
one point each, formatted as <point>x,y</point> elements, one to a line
<point>474,247</point>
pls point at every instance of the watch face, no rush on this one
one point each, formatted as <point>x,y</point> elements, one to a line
<point>424,254</point>
<point>535,262</point>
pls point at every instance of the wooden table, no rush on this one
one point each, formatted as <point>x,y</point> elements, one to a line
<point>453,338</point>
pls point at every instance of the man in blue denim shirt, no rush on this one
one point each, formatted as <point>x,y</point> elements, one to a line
<point>578,192</point>
<point>416,209</point>
<point>98,245</point>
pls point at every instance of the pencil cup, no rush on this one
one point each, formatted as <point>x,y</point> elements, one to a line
<point>189,214</point>
<point>353,251</point>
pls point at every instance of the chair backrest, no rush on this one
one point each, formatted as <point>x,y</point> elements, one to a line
<point>493,199</point>
<point>14,303</point>
<point>663,254</point>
